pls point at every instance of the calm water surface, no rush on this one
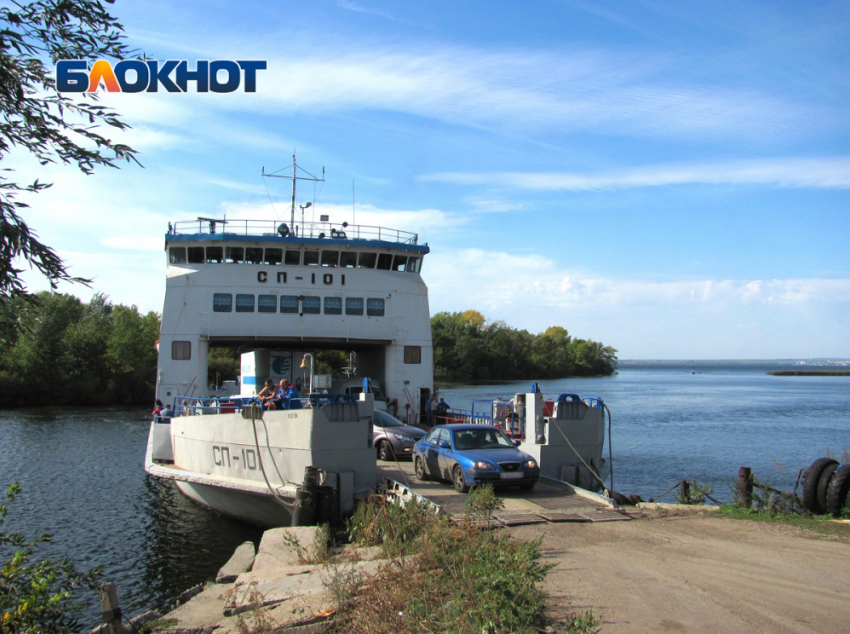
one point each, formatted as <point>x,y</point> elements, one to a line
<point>83,478</point>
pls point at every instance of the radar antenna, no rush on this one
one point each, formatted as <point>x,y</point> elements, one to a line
<point>295,178</point>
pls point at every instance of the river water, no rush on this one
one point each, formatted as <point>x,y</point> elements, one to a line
<point>83,479</point>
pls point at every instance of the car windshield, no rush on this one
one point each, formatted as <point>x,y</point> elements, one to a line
<point>383,419</point>
<point>480,439</point>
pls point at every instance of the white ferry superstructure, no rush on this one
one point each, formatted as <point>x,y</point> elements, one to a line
<point>280,292</point>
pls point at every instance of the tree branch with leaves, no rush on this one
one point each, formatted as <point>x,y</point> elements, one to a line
<point>49,125</point>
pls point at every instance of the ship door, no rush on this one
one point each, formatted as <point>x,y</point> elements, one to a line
<point>424,403</point>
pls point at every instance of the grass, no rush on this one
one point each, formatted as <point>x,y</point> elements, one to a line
<point>445,577</point>
<point>818,524</point>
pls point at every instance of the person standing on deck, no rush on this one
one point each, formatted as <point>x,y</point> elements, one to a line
<point>432,411</point>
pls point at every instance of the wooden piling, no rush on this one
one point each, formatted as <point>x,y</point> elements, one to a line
<point>745,487</point>
<point>110,609</point>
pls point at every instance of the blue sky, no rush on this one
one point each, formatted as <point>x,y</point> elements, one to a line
<point>672,179</point>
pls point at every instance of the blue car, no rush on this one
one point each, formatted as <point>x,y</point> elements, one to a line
<point>470,455</point>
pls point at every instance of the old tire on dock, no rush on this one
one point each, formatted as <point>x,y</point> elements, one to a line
<point>823,485</point>
<point>836,496</point>
<point>421,474</point>
<point>385,451</point>
<point>458,480</point>
<point>810,485</point>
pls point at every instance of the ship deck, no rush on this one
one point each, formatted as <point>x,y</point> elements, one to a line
<point>549,501</point>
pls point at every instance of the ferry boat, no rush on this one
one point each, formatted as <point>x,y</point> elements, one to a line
<point>279,293</point>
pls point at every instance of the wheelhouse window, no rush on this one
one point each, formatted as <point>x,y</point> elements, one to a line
<point>292,257</point>
<point>375,307</point>
<point>196,255</point>
<point>177,255</point>
<point>234,255</point>
<point>353,305</point>
<point>311,305</point>
<point>222,303</point>
<point>181,350</point>
<point>215,255</point>
<point>399,262</point>
<point>413,354</point>
<point>348,259</point>
<point>254,255</point>
<point>414,264</point>
<point>266,303</point>
<point>367,260</point>
<point>274,256</point>
<point>311,258</point>
<point>330,258</point>
<point>385,261</point>
<point>289,304</point>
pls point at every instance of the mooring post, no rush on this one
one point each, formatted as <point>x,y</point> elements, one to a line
<point>745,487</point>
<point>306,499</point>
<point>110,609</point>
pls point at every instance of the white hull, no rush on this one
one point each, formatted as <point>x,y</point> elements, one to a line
<point>250,469</point>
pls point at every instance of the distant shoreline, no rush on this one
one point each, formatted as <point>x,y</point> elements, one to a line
<point>810,373</point>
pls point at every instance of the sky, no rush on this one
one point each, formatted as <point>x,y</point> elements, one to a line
<point>671,179</point>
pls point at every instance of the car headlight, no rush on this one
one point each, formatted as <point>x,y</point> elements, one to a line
<point>483,466</point>
<point>402,437</point>
<point>531,464</point>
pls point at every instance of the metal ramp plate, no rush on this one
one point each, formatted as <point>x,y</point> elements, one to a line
<point>518,519</point>
<point>564,516</point>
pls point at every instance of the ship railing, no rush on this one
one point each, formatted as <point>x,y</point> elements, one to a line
<point>332,230</point>
<point>506,416</point>
<point>193,406</point>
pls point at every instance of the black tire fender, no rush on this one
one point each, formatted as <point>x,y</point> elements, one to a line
<point>823,485</point>
<point>810,484</point>
<point>839,487</point>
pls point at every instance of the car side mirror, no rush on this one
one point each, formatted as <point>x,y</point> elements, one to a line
<point>517,443</point>
<point>445,445</point>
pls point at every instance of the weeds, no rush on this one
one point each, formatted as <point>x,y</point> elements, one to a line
<point>377,522</point>
<point>481,503</point>
<point>584,623</point>
<point>321,550</point>
<point>454,578</point>
<point>256,620</point>
<point>694,492</point>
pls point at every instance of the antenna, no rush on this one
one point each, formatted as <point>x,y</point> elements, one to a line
<point>294,178</point>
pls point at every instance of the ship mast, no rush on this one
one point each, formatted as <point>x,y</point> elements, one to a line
<point>294,178</point>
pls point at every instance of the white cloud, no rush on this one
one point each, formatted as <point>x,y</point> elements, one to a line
<point>495,278</point>
<point>815,172</point>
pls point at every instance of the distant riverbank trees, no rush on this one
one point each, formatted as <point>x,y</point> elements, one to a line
<point>467,347</point>
<point>69,352</point>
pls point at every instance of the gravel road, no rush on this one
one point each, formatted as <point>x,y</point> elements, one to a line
<point>697,573</point>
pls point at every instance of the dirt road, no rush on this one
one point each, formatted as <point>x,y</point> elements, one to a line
<point>697,574</point>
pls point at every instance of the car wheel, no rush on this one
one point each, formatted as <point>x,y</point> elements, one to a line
<point>421,474</point>
<point>385,450</point>
<point>458,480</point>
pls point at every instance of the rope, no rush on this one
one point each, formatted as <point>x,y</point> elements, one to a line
<point>610,449</point>
<point>275,494</point>
<point>578,455</point>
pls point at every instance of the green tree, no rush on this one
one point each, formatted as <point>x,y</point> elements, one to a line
<point>49,125</point>
<point>36,597</point>
<point>222,365</point>
<point>88,369</point>
<point>131,349</point>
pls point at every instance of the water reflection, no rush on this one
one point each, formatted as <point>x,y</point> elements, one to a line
<point>185,544</point>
